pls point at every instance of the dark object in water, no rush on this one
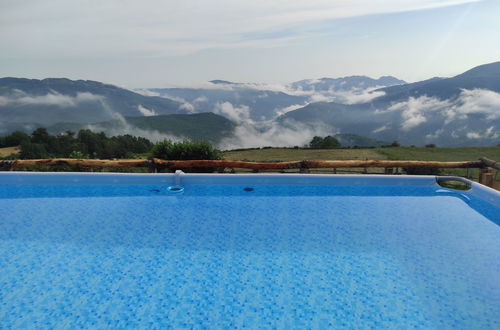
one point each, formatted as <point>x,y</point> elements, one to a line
<point>248,189</point>
<point>155,190</point>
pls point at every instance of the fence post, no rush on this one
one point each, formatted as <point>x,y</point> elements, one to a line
<point>486,177</point>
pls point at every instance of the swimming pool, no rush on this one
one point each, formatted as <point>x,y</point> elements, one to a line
<point>287,251</point>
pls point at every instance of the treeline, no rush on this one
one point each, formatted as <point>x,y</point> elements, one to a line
<point>84,144</point>
<point>88,144</point>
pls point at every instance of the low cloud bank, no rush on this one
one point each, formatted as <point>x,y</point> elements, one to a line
<point>122,127</point>
<point>351,96</point>
<point>238,114</point>
<point>274,135</point>
<point>145,111</point>
<point>237,110</point>
<point>53,98</point>
<point>417,110</point>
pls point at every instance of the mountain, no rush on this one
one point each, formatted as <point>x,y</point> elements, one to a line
<point>236,101</point>
<point>461,110</point>
<point>345,83</point>
<point>195,127</point>
<point>244,102</point>
<point>481,77</point>
<point>53,100</point>
<point>223,82</point>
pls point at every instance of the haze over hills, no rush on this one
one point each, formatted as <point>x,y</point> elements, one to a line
<point>461,110</point>
<point>196,127</point>
<point>232,100</point>
<point>52,100</point>
<point>345,84</point>
<point>261,102</point>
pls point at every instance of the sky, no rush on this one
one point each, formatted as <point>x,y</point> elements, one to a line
<point>166,43</point>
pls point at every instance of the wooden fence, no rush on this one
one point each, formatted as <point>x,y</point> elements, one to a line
<point>485,165</point>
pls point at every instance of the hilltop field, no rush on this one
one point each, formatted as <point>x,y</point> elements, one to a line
<point>393,153</point>
<point>4,152</point>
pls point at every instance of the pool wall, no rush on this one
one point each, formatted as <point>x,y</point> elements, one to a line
<point>180,178</point>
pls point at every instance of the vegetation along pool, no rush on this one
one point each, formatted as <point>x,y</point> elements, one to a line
<point>288,251</point>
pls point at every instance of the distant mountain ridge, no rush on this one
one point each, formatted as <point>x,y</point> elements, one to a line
<point>345,83</point>
<point>461,110</point>
<point>54,100</point>
<point>261,102</point>
<point>455,111</point>
<point>483,77</point>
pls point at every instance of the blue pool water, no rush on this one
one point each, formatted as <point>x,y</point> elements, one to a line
<point>287,256</point>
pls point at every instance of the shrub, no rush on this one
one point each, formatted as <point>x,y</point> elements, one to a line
<point>77,155</point>
<point>186,150</point>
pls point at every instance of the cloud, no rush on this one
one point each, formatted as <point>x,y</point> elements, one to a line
<point>145,111</point>
<point>473,135</point>
<point>275,135</point>
<point>380,129</point>
<point>185,105</point>
<point>315,97</point>
<point>239,114</point>
<point>489,133</point>
<point>52,98</point>
<point>168,27</point>
<point>476,101</point>
<point>413,111</point>
<point>416,110</point>
<point>122,127</point>
<point>435,135</point>
<point>353,96</point>
<point>357,96</point>
<point>200,99</point>
<point>292,107</point>
<point>189,107</point>
<point>125,128</point>
<point>146,92</point>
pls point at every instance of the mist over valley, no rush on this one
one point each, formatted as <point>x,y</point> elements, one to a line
<point>457,111</point>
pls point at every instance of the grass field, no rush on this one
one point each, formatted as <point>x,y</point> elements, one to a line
<point>282,154</point>
<point>396,153</point>
<point>440,154</point>
<point>4,152</point>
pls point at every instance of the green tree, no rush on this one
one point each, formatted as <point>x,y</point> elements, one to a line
<point>40,135</point>
<point>316,142</point>
<point>328,142</point>
<point>33,151</point>
<point>92,143</point>
<point>16,139</point>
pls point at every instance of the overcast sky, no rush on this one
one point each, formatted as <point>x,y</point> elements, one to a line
<point>163,43</point>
